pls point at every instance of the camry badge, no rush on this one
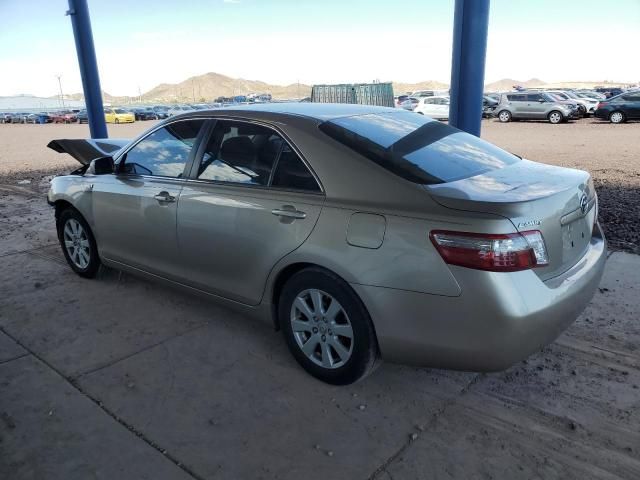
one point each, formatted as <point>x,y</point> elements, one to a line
<point>529,223</point>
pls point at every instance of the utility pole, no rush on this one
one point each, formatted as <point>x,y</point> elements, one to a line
<point>61,94</point>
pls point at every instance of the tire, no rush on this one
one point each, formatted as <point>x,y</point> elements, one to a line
<point>341,346</point>
<point>617,117</point>
<point>72,227</point>
<point>555,117</point>
<point>116,121</point>
<point>504,116</point>
<point>582,110</point>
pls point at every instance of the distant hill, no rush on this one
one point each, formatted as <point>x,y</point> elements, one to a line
<point>508,84</point>
<point>212,85</point>
<point>400,88</point>
<point>209,86</point>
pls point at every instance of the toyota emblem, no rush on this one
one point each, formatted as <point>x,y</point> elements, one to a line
<point>584,203</point>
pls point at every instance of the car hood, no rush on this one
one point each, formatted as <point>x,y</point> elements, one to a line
<point>86,150</point>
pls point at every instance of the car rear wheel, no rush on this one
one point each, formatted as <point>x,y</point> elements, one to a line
<point>555,117</point>
<point>116,121</point>
<point>616,117</point>
<point>504,116</point>
<point>78,243</point>
<point>326,327</point>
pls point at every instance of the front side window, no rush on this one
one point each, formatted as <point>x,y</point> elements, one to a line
<point>165,152</point>
<point>416,147</point>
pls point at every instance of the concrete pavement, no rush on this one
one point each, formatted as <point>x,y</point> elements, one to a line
<point>121,378</point>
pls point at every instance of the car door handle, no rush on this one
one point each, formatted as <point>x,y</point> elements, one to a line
<point>289,213</point>
<point>164,197</point>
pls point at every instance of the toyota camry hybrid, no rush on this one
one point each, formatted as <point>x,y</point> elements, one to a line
<point>359,232</point>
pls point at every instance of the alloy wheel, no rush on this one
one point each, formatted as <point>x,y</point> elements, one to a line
<point>504,116</point>
<point>77,243</point>
<point>322,329</point>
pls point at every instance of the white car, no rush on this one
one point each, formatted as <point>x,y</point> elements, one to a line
<point>430,93</point>
<point>434,107</point>
<point>586,106</point>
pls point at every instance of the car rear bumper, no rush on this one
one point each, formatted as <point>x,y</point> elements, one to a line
<point>498,320</point>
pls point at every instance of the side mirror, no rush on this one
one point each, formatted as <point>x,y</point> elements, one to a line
<point>101,166</point>
<point>542,100</point>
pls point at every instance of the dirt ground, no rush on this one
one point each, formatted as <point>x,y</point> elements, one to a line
<point>609,152</point>
<point>120,378</point>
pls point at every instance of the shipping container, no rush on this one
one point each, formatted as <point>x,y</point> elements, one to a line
<point>380,94</point>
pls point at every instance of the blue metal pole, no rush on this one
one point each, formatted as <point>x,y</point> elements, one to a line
<point>79,13</point>
<point>470,26</point>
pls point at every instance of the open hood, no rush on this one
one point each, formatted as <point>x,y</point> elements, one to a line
<point>85,150</point>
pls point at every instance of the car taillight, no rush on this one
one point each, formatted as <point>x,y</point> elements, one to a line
<point>492,252</point>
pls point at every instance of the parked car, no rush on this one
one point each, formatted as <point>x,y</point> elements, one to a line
<point>590,94</point>
<point>161,111</point>
<point>621,108</point>
<point>398,99</point>
<point>489,105</point>
<point>358,231</point>
<point>13,117</point>
<point>586,106</point>
<point>430,93</point>
<point>409,104</point>
<point>83,116</point>
<point>178,109</point>
<point>609,92</point>
<point>40,117</point>
<point>144,113</point>
<point>533,106</point>
<point>435,107</point>
<point>118,115</point>
<point>70,116</point>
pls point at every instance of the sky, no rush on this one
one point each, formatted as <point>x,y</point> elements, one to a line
<point>141,43</point>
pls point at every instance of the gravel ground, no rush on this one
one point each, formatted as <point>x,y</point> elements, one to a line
<point>608,152</point>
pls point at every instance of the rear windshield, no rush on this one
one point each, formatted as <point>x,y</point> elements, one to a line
<point>416,147</point>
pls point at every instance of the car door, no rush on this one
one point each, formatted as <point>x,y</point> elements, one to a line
<point>536,106</point>
<point>631,106</point>
<point>134,210</point>
<point>250,201</point>
<point>518,104</point>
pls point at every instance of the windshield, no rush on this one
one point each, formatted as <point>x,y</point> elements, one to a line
<point>552,97</point>
<point>120,110</point>
<point>416,147</point>
<point>571,95</point>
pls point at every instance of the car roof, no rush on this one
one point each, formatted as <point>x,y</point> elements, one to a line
<point>317,111</point>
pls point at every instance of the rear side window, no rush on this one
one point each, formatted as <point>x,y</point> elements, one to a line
<point>517,98</point>
<point>416,147</point>
<point>245,153</point>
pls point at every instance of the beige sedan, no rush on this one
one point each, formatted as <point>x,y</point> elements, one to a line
<point>360,232</point>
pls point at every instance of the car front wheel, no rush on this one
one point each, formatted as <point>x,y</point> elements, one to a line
<point>78,243</point>
<point>616,117</point>
<point>555,117</point>
<point>504,116</point>
<point>326,327</point>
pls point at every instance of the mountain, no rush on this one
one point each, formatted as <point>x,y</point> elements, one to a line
<point>400,88</point>
<point>212,85</point>
<point>508,83</point>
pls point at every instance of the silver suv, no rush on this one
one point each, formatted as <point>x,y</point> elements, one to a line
<point>533,106</point>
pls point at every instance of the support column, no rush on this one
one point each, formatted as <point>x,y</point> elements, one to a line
<point>79,13</point>
<point>470,26</point>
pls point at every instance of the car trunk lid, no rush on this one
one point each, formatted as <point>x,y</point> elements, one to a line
<point>561,203</point>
